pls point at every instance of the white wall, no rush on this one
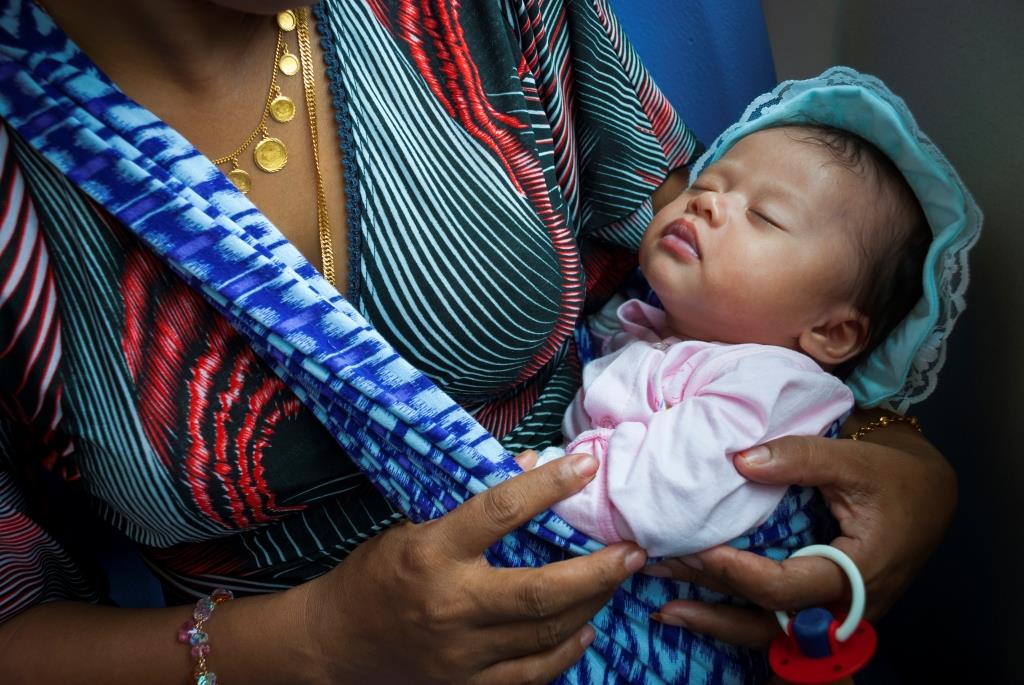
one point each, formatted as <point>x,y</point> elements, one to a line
<point>960,67</point>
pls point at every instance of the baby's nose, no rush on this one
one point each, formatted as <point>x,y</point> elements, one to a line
<point>709,206</point>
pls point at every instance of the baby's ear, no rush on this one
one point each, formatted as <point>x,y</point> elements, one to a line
<point>840,337</point>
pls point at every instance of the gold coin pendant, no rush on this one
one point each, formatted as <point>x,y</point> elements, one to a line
<point>286,20</point>
<point>282,108</point>
<point>240,178</point>
<point>270,154</point>
<point>288,64</point>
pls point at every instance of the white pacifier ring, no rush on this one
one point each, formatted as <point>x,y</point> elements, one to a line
<point>856,589</point>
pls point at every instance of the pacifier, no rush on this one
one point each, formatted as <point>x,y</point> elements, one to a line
<point>817,647</point>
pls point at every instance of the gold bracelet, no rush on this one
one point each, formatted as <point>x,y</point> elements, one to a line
<point>883,422</point>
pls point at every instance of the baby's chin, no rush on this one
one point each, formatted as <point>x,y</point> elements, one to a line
<point>663,272</point>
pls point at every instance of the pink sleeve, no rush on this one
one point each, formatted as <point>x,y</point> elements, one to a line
<point>668,482</point>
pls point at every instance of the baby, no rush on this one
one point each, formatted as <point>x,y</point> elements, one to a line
<point>785,263</point>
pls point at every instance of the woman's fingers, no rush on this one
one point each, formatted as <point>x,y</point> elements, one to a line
<point>516,594</point>
<point>485,518</point>
<point>538,668</point>
<point>811,462</point>
<point>735,625</point>
<point>791,584</point>
<point>527,459</point>
<point>685,571</point>
<point>512,640</point>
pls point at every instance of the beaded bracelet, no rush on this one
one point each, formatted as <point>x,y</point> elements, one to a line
<point>193,632</point>
<point>883,422</point>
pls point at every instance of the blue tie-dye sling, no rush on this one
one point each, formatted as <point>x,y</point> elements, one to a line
<point>423,451</point>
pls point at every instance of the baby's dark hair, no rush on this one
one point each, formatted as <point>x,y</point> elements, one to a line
<point>890,284</point>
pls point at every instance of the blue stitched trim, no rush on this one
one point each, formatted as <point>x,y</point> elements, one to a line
<point>353,203</point>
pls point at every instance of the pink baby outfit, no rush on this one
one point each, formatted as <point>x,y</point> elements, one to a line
<point>666,416</point>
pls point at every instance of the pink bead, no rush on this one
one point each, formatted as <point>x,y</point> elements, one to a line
<point>200,650</point>
<point>221,595</point>
<point>185,631</point>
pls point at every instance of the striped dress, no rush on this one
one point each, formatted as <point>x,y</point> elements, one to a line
<point>499,161</point>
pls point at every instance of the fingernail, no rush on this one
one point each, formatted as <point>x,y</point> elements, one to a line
<point>693,562</point>
<point>587,636</point>
<point>658,571</point>
<point>757,456</point>
<point>635,560</point>
<point>669,620</point>
<point>585,465</point>
<point>676,615</point>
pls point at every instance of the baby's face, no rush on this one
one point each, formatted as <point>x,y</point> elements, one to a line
<point>758,248</point>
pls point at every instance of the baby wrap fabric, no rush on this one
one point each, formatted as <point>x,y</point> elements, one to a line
<point>419,447</point>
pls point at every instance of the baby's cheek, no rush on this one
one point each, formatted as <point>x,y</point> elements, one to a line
<point>659,270</point>
<point>730,279</point>
<point>647,249</point>
<point>744,288</point>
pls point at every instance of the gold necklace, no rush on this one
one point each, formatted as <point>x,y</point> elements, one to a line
<point>269,154</point>
<point>322,220</point>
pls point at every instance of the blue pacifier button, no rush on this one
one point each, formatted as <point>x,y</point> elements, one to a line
<point>810,628</point>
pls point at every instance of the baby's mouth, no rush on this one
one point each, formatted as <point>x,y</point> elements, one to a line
<point>680,236</point>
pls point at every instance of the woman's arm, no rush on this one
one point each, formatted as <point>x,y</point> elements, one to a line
<point>419,603</point>
<point>73,642</point>
<point>893,495</point>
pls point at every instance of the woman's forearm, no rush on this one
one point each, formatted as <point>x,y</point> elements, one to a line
<point>254,640</point>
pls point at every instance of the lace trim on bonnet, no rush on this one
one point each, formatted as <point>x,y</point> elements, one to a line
<point>905,367</point>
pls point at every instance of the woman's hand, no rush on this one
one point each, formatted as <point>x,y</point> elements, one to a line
<point>893,495</point>
<point>419,603</point>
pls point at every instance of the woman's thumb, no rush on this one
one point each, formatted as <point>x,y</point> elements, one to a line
<point>793,460</point>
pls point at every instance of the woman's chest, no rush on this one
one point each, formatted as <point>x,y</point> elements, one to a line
<point>271,129</point>
<point>467,256</point>
<point>174,421</point>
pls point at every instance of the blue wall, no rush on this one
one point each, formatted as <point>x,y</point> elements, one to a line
<point>710,58</point>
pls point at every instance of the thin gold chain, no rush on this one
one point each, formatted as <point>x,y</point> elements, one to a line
<point>262,126</point>
<point>885,421</point>
<point>322,220</point>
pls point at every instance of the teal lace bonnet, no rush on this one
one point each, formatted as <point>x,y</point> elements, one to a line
<point>904,368</point>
